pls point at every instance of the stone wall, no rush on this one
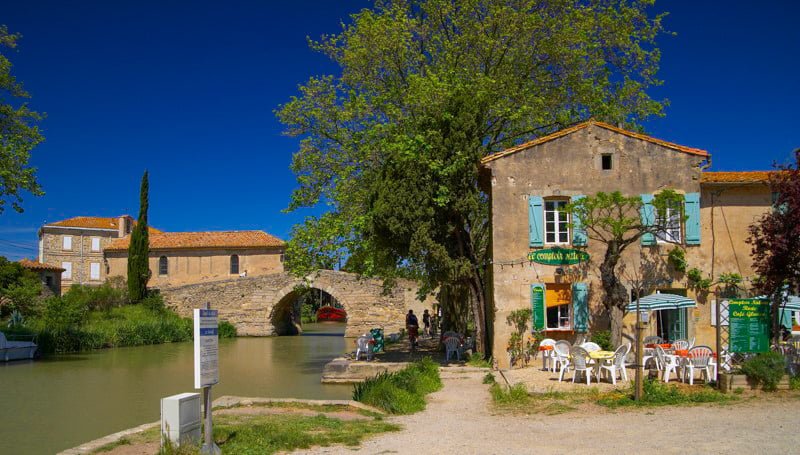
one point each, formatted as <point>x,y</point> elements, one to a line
<point>258,306</point>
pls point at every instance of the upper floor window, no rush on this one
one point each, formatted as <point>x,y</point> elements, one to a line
<point>606,162</point>
<point>672,221</point>
<point>234,264</point>
<point>95,243</point>
<point>66,242</point>
<point>556,222</point>
<point>163,266</point>
<point>67,273</point>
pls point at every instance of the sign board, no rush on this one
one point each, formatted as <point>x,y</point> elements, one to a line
<point>206,348</point>
<point>537,306</point>
<point>749,325</point>
<point>558,256</point>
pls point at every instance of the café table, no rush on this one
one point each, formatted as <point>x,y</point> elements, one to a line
<point>599,357</point>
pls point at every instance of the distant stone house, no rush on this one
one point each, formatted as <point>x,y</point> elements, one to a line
<point>178,258</point>
<point>77,245</point>
<point>529,186</point>
<point>48,273</point>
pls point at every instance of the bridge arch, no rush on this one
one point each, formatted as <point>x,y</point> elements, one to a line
<point>280,316</point>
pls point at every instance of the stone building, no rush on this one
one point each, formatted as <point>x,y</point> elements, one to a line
<point>530,184</point>
<point>77,244</point>
<point>178,258</point>
<point>48,273</point>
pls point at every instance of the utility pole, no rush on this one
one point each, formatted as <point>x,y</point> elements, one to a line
<point>640,325</point>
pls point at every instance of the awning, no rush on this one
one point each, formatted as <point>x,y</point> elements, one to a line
<point>793,303</point>
<point>662,302</point>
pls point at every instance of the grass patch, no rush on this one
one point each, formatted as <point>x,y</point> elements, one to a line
<point>112,445</point>
<point>401,392</point>
<point>657,393</point>
<point>476,360</point>
<point>489,379</point>
<point>515,396</point>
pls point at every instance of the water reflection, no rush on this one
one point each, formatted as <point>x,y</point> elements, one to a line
<point>76,398</point>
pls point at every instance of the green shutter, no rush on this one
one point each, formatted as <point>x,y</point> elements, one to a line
<point>579,237</point>
<point>536,220</point>
<point>648,214</point>
<point>538,306</point>
<point>692,211</point>
<point>580,306</point>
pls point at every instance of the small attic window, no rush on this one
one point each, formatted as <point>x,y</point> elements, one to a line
<point>605,162</point>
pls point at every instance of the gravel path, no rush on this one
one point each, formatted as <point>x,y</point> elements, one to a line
<point>459,419</point>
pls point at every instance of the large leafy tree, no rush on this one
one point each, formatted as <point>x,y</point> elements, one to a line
<point>18,132</point>
<point>775,240</point>
<point>615,221</point>
<point>139,248</point>
<point>392,143</point>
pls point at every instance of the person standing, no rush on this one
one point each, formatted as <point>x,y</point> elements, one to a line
<point>412,326</point>
<point>426,321</point>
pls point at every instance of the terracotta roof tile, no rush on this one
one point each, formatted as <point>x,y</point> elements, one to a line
<point>736,177</point>
<point>580,126</point>
<point>199,240</point>
<point>95,222</point>
<point>36,265</point>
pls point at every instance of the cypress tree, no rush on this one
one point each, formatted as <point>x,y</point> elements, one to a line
<point>139,249</point>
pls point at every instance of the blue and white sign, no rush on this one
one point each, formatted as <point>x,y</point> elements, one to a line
<point>206,348</point>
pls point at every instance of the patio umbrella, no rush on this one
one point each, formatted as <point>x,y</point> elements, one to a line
<point>792,304</point>
<point>655,302</point>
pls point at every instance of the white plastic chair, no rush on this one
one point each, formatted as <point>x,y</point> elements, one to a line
<point>561,357</point>
<point>548,360</point>
<point>617,366</point>
<point>578,363</point>
<point>653,340</point>
<point>699,358</point>
<point>680,345</point>
<point>452,345</point>
<point>668,363</point>
<point>691,343</point>
<point>591,346</point>
<point>362,344</point>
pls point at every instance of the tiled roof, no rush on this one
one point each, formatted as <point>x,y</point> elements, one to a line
<point>36,265</point>
<point>200,240</point>
<point>95,222</point>
<point>580,126</point>
<point>736,177</point>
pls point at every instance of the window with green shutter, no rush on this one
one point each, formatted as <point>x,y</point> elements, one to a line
<point>579,237</point>
<point>692,213</point>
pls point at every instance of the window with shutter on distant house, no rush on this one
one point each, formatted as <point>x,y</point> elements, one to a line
<point>234,264</point>
<point>66,242</point>
<point>94,271</point>
<point>95,243</point>
<point>67,273</point>
<point>163,266</point>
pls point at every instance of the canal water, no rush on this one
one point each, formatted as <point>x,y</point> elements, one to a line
<point>60,402</point>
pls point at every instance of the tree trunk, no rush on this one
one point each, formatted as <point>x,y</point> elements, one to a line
<point>478,301</point>
<point>616,297</point>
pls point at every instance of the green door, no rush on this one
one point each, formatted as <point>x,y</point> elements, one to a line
<point>676,321</point>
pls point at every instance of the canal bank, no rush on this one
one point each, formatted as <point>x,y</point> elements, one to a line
<point>63,401</point>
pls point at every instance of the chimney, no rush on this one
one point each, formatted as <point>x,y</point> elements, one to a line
<point>122,226</point>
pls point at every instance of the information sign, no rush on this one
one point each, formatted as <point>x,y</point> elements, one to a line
<point>206,348</point>
<point>749,325</point>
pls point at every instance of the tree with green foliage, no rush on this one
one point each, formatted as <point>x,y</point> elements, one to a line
<point>139,249</point>
<point>19,132</point>
<point>616,221</point>
<point>775,241</point>
<point>20,289</point>
<point>425,89</point>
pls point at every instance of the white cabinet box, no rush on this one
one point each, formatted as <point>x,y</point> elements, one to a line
<point>181,419</point>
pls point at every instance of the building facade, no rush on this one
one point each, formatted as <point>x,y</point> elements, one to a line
<point>178,258</point>
<point>529,186</point>
<point>49,274</point>
<point>89,250</point>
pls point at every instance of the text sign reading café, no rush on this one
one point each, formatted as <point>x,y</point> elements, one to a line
<point>749,321</point>
<point>558,256</point>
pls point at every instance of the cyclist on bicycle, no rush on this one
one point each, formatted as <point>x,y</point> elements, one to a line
<point>412,326</point>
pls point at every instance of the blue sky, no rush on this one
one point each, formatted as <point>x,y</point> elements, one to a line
<point>187,90</point>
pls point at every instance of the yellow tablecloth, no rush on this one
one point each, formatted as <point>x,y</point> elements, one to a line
<point>600,355</point>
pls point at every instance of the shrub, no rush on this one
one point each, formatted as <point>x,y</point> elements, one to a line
<point>401,392</point>
<point>227,330</point>
<point>766,369</point>
<point>603,339</point>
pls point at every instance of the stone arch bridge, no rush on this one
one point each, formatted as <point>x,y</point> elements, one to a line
<point>261,305</point>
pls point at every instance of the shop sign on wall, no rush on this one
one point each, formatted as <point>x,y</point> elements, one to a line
<point>749,323</point>
<point>558,256</point>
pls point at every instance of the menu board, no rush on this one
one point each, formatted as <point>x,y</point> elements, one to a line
<point>749,325</point>
<point>537,304</point>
